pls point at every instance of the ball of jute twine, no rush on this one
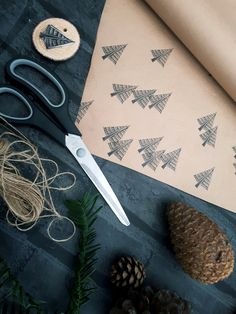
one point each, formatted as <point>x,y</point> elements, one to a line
<point>28,200</point>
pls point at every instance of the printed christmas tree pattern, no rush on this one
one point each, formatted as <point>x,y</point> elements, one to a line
<point>119,148</point>
<point>142,97</point>
<point>161,55</point>
<point>206,122</point>
<point>152,159</point>
<point>53,38</point>
<point>84,106</point>
<point>234,149</point>
<point>209,137</point>
<point>159,101</point>
<point>149,145</point>
<point>234,164</point>
<point>170,160</point>
<point>114,133</point>
<point>113,53</point>
<point>204,178</point>
<point>122,92</point>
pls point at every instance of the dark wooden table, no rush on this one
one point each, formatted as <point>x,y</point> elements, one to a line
<point>45,268</point>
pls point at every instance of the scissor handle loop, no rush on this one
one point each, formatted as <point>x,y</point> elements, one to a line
<point>17,62</point>
<point>9,90</point>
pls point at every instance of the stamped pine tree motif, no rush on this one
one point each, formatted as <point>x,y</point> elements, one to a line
<point>113,53</point>
<point>170,160</point>
<point>234,149</point>
<point>204,178</point>
<point>119,148</point>
<point>83,109</point>
<point>234,164</point>
<point>53,38</point>
<point>161,55</point>
<point>149,145</point>
<point>206,122</point>
<point>122,92</point>
<point>114,133</point>
<point>152,159</point>
<point>159,101</point>
<point>142,97</point>
<point>209,137</point>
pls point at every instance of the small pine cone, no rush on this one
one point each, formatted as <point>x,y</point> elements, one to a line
<point>148,301</point>
<point>127,272</point>
<point>127,308</point>
<point>166,302</point>
<point>201,248</point>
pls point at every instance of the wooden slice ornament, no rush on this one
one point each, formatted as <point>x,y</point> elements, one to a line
<point>56,39</point>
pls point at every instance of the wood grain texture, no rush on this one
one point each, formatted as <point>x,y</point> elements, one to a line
<point>63,28</point>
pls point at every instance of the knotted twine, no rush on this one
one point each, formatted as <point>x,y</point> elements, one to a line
<point>28,200</point>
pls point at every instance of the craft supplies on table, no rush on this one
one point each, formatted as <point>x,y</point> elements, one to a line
<point>52,117</point>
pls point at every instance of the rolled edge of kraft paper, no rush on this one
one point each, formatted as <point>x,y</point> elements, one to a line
<point>208,30</point>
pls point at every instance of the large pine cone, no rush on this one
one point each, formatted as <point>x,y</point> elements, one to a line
<point>202,249</point>
<point>148,301</point>
<point>127,272</point>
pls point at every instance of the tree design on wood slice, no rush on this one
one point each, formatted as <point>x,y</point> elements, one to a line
<point>114,133</point>
<point>159,101</point>
<point>234,149</point>
<point>204,178</point>
<point>161,55</point>
<point>53,38</point>
<point>152,159</point>
<point>122,92</point>
<point>209,137</point>
<point>83,109</point>
<point>113,53</point>
<point>206,122</point>
<point>119,148</point>
<point>142,97</point>
<point>170,160</point>
<point>149,144</point>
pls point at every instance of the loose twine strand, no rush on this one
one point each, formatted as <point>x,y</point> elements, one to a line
<point>28,200</point>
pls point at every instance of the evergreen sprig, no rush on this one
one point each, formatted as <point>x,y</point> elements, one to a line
<point>12,295</point>
<point>84,214</point>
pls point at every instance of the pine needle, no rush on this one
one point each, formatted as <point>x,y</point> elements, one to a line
<point>13,295</point>
<point>84,214</point>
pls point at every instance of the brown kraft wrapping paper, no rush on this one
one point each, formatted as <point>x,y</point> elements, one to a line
<point>208,29</point>
<point>150,106</point>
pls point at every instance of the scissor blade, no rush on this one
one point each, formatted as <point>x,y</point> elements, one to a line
<point>81,153</point>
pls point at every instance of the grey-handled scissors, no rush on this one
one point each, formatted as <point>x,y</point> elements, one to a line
<point>53,119</point>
